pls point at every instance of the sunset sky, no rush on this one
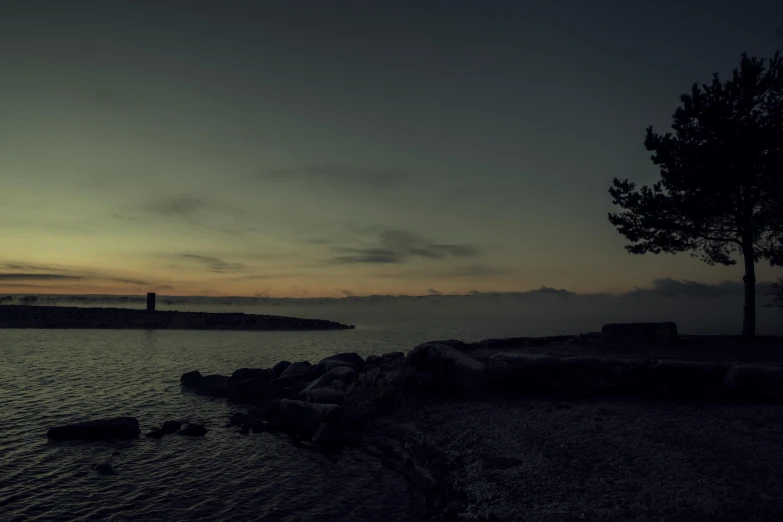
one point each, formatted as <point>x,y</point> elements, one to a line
<point>235,148</point>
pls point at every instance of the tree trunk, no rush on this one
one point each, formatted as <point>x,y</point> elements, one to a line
<point>749,310</point>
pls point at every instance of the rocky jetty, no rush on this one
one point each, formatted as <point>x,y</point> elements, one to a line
<point>25,316</point>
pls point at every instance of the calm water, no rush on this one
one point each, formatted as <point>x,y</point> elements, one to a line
<point>50,377</point>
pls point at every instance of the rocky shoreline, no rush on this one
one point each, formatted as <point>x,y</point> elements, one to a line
<point>376,403</point>
<point>28,316</point>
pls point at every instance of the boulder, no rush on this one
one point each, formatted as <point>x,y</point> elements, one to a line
<point>590,375</point>
<point>453,368</point>
<point>306,415</point>
<point>280,367</point>
<point>327,434</point>
<point>685,378</point>
<point>341,359</point>
<point>193,430</point>
<point>300,370</point>
<point>252,373</point>
<point>119,428</point>
<point>754,381</point>
<point>171,426</point>
<point>372,360</point>
<point>213,386</point>
<point>104,468</point>
<point>191,379</point>
<point>631,337</point>
<point>521,371</point>
<point>249,390</point>
<point>327,395</point>
<point>339,373</point>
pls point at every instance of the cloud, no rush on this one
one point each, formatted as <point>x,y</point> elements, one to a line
<point>176,206</point>
<point>214,264</point>
<point>669,287</point>
<point>39,277</point>
<point>339,176</point>
<point>27,266</point>
<point>346,293</point>
<point>432,291</point>
<point>456,272</point>
<point>398,246</point>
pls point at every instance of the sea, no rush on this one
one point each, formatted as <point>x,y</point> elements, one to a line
<point>54,377</point>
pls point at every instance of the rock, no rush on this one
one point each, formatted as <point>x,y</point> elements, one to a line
<point>104,468</point>
<point>590,375</point>
<point>754,381</point>
<point>521,371</point>
<point>327,434</point>
<point>341,373</point>
<point>686,378</point>
<point>501,463</point>
<point>327,395</point>
<point>194,430</point>
<point>238,419</point>
<point>629,337</point>
<point>300,370</point>
<point>156,433</point>
<point>119,428</point>
<point>338,385</point>
<point>252,373</point>
<point>191,379</point>
<point>249,390</point>
<point>341,359</point>
<point>213,386</point>
<point>393,379</point>
<point>392,356</point>
<point>306,415</point>
<point>371,361</point>
<point>453,368</point>
<point>280,367</point>
<point>171,426</point>
<point>351,437</point>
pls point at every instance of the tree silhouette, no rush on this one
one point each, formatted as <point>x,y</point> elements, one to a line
<point>720,188</point>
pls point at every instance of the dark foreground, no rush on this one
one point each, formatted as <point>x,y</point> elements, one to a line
<point>25,316</point>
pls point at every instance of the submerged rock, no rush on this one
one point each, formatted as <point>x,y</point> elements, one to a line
<point>194,430</point>
<point>171,426</point>
<point>119,428</point>
<point>104,468</point>
<point>156,433</point>
<point>191,379</point>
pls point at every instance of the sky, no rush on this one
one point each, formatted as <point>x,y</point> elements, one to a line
<point>304,149</point>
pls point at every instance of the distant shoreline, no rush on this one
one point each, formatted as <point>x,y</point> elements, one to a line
<point>75,317</point>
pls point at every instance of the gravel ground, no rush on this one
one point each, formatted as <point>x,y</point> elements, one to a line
<point>560,458</point>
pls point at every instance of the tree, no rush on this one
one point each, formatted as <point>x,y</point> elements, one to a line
<point>720,188</point>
